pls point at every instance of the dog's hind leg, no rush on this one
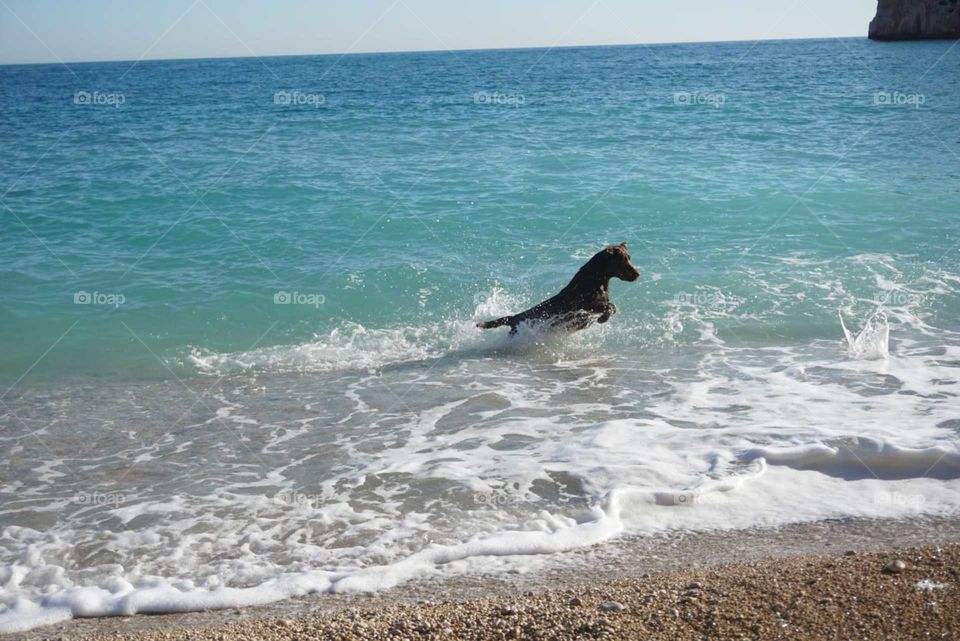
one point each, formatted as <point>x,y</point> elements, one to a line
<point>499,322</point>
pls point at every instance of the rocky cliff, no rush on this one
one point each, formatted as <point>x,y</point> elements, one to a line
<point>916,20</point>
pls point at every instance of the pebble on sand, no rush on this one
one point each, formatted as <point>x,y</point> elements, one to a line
<point>896,566</point>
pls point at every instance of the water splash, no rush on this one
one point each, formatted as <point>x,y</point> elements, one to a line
<point>872,342</point>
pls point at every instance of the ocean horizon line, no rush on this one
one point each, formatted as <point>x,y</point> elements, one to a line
<point>429,51</point>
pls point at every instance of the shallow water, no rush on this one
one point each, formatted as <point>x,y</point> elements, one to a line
<point>189,439</point>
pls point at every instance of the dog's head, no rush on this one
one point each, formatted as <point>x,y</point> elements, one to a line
<point>618,263</point>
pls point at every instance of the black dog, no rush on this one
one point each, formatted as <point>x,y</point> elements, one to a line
<point>585,299</point>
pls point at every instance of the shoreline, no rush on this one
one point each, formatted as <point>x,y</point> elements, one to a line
<point>623,569</point>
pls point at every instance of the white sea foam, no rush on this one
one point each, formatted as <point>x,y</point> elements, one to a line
<point>777,485</point>
<point>354,346</point>
<point>366,457</point>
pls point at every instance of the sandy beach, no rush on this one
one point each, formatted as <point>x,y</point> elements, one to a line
<point>813,581</point>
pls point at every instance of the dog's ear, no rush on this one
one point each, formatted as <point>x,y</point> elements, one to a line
<point>623,244</point>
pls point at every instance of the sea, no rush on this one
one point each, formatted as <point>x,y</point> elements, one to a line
<point>238,301</point>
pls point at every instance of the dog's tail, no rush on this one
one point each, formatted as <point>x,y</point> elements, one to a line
<point>500,322</point>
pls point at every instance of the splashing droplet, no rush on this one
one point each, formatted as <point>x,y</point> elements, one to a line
<point>872,342</point>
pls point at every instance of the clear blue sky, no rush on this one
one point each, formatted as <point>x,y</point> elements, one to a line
<point>78,30</point>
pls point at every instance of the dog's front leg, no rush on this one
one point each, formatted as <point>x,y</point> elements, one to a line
<point>609,310</point>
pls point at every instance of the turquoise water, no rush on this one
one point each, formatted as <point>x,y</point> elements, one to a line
<point>176,434</point>
<point>400,199</point>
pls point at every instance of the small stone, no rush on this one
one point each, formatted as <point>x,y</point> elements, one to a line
<point>695,585</point>
<point>507,612</point>
<point>575,602</point>
<point>826,601</point>
<point>849,553</point>
<point>895,566</point>
<point>612,606</point>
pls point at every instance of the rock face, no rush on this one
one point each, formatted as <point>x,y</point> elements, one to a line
<point>916,20</point>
